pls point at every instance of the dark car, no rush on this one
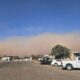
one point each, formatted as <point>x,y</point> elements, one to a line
<point>46,60</point>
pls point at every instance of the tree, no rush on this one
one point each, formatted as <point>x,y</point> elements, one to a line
<point>60,51</point>
<point>16,57</point>
<point>36,56</point>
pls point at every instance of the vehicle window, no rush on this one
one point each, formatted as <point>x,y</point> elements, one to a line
<point>45,58</point>
<point>58,60</point>
<point>50,59</point>
<point>79,58</point>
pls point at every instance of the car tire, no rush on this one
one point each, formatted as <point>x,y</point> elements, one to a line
<point>69,67</point>
<point>55,64</point>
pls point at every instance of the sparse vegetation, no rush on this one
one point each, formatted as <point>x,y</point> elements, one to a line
<point>60,52</point>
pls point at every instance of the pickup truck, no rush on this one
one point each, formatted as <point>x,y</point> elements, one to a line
<point>71,64</point>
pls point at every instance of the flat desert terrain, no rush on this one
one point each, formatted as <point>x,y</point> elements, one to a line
<point>34,71</point>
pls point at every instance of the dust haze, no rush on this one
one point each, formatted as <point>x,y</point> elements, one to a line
<point>39,44</point>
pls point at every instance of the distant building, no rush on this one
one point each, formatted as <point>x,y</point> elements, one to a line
<point>24,59</point>
<point>28,59</point>
<point>6,58</point>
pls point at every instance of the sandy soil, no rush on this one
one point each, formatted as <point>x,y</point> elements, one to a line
<point>34,71</point>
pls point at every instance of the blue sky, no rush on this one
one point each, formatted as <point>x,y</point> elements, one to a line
<point>31,17</point>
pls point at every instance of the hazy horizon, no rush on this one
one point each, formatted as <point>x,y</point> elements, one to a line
<point>39,44</point>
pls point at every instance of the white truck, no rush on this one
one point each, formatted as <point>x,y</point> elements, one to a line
<point>71,64</point>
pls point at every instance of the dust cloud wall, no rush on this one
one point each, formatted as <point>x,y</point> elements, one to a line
<point>39,44</point>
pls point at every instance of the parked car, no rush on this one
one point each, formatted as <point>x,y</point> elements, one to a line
<point>46,60</point>
<point>56,62</point>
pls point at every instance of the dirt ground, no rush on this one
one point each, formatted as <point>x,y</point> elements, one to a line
<point>34,71</point>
